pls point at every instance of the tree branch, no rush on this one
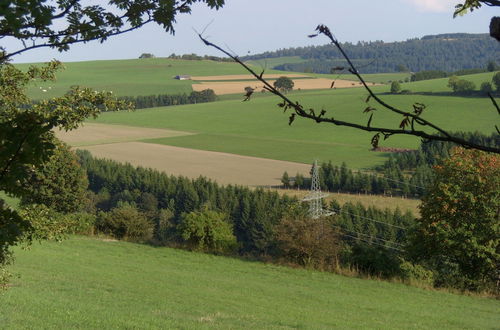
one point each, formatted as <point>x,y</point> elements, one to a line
<point>386,132</point>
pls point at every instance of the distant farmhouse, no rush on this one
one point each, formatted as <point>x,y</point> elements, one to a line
<point>183,77</point>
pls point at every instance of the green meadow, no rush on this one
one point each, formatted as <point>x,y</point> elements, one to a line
<point>259,128</point>
<point>89,283</point>
<point>132,77</point>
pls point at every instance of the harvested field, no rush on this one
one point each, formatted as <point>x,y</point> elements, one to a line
<point>91,134</point>
<point>245,76</point>
<point>221,167</point>
<point>378,201</point>
<point>234,87</point>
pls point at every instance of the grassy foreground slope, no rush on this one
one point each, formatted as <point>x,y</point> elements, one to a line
<point>86,283</point>
<point>259,128</point>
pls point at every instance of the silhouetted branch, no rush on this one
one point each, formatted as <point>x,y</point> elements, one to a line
<point>410,119</point>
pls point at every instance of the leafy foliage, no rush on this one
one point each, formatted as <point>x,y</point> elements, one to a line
<point>36,23</point>
<point>207,230</point>
<point>308,242</point>
<point>284,84</point>
<point>125,222</point>
<point>59,183</point>
<point>151,101</point>
<point>395,87</point>
<point>458,232</point>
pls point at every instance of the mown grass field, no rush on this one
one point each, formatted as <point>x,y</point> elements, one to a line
<point>259,128</point>
<point>133,77</point>
<point>88,283</point>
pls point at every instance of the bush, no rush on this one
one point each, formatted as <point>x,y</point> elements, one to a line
<point>81,223</point>
<point>416,273</point>
<point>308,242</point>
<point>486,87</point>
<point>460,85</point>
<point>208,231</point>
<point>125,222</point>
<point>395,87</point>
<point>372,260</point>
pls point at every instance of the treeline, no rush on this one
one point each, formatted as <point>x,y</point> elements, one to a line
<point>150,206</point>
<point>391,181</point>
<point>403,174</point>
<point>436,74</point>
<point>450,52</point>
<point>163,100</point>
<point>432,152</point>
<point>194,57</point>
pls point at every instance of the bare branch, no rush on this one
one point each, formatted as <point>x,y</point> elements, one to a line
<point>408,117</point>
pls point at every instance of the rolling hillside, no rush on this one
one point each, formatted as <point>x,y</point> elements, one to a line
<point>88,283</point>
<point>448,52</point>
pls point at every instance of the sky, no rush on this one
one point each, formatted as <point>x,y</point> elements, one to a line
<point>253,26</point>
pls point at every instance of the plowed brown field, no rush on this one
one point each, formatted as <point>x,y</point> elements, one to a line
<point>245,76</point>
<point>234,87</point>
<point>221,167</point>
<point>91,133</point>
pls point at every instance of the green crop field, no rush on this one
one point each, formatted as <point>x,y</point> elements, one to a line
<point>259,128</point>
<point>440,85</point>
<point>132,77</point>
<point>88,283</point>
<point>380,78</point>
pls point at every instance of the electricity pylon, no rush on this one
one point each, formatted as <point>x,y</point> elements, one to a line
<point>315,197</point>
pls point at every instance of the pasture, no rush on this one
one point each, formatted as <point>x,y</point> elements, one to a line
<point>259,128</point>
<point>89,283</point>
<point>132,77</point>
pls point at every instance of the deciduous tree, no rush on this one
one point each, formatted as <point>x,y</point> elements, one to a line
<point>458,232</point>
<point>284,84</point>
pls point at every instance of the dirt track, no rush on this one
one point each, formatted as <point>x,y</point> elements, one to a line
<point>90,134</point>
<point>244,76</point>
<point>234,87</point>
<point>221,167</point>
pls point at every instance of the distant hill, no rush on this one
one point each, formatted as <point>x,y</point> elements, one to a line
<point>446,52</point>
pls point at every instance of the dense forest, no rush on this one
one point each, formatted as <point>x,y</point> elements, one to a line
<point>444,52</point>
<point>254,219</point>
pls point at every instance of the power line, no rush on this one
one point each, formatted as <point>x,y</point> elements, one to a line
<point>381,222</point>
<point>374,243</point>
<point>369,236</point>
<point>388,179</point>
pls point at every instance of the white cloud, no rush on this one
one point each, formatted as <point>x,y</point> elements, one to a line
<point>435,6</point>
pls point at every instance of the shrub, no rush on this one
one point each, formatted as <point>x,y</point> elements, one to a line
<point>208,231</point>
<point>125,222</point>
<point>486,87</point>
<point>308,242</point>
<point>81,223</point>
<point>416,273</point>
<point>395,87</point>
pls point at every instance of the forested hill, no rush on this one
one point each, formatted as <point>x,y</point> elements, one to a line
<point>446,52</point>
